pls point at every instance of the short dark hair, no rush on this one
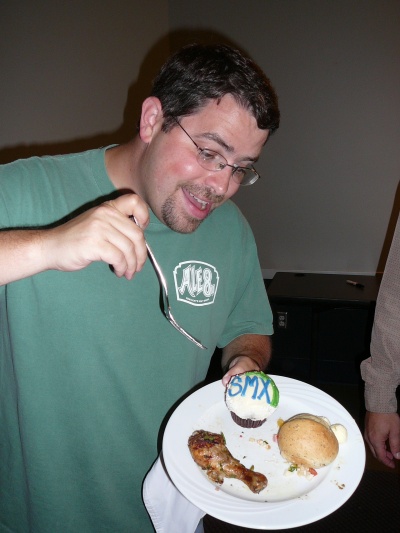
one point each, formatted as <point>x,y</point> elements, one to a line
<point>199,73</point>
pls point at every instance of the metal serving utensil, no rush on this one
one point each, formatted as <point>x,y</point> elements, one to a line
<point>164,288</point>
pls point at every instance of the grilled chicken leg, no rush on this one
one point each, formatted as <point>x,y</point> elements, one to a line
<point>211,454</point>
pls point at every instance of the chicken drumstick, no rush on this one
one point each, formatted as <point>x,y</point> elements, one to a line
<point>211,454</point>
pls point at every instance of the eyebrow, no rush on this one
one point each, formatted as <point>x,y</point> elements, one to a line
<point>218,139</point>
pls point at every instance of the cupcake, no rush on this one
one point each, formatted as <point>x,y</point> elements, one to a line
<point>251,398</point>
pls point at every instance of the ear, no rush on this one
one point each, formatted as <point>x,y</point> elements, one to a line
<point>151,118</point>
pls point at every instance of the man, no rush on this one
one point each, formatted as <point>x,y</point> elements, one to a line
<point>381,371</point>
<point>89,365</point>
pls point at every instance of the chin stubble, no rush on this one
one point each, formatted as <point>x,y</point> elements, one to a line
<point>183,223</point>
<point>175,221</point>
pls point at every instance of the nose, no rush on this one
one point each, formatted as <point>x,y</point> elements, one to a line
<point>219,181</point>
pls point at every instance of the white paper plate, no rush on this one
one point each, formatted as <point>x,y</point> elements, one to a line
<point>289,500</point>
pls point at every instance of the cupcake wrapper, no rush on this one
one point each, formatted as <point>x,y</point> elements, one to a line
<point>247,422</point>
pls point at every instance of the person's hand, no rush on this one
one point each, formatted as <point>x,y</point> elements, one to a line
<point>240,364</point>
<point>103,233</point>
<point>382,434</point>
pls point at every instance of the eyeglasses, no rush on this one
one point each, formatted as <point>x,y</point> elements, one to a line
<point>211,160</point>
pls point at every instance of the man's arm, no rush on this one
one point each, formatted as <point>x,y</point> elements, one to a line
<point>20,254</point>
<point>103,233</point>
<point>245,353</point>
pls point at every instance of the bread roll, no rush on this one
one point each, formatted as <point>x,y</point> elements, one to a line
<point>307,440</point>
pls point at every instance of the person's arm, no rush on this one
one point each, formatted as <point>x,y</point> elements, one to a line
<point>381,371</point>
<point>382,434</point>
<point>103,233</point>
<point>245,353</point>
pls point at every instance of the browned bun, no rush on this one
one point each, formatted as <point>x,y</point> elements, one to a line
<point>307,440</point>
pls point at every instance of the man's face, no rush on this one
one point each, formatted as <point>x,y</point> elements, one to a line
<point>179,191</point>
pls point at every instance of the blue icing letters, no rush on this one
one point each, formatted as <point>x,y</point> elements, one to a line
<point>237,388</point>
<point>234,384</point>
<point>265,391</point>
<point>251,382</point>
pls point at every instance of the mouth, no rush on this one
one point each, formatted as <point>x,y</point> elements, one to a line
<point>199,208</point>
<point>202,204</point>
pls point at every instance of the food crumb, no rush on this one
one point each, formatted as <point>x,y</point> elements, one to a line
<point>340,486</point>
<point>308,473</point>
<point>261,442</point>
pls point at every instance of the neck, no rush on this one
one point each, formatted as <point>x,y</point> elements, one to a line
<point>121,165</point>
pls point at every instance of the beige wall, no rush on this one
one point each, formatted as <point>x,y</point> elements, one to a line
<point>330,174</point>
<point>73,75</point>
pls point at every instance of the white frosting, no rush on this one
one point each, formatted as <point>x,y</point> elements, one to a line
<point>248,409</point>
<point>250,400</point>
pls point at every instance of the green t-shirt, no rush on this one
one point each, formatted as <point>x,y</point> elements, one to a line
<point>89,365</point>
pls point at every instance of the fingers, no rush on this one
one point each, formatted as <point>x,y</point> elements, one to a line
<point>131,205</point>
<point>383,455</point>
<point>394,436</point>
<point>382,434</point>
<point>227,377</point>
<point>124,249</point>
<point>378,450</point>
<point>103,233</point>
<point>238,365</point>
<point>380,453</point>
<point>127,251</point>
<point>133,248</point>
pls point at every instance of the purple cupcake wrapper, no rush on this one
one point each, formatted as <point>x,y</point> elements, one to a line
<point>246,422</point>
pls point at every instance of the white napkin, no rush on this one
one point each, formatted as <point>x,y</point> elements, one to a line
<point>169,510</point>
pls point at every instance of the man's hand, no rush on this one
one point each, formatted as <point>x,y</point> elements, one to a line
<point>240,364</point>
<point>382,433</point>
<point>103,233</point>
<point>245,353</point>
